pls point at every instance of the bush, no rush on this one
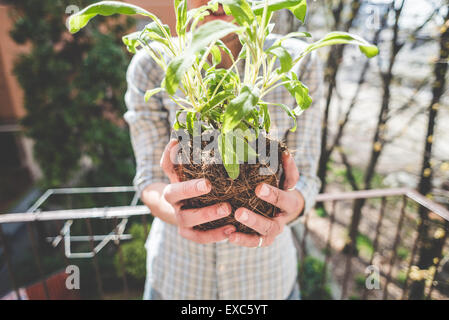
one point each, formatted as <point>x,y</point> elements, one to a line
<point>73,94</point>
<point>133,254</point>
<point>311,280</point>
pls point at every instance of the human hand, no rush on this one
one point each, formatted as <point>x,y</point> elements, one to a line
<point>288,199</point>
<point>177,191</point>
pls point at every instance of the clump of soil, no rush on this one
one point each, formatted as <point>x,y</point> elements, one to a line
<point>238,193</point>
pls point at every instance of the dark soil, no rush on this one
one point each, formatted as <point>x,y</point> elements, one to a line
<point>238,193</point>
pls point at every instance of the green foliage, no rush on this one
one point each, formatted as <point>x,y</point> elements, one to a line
<point>321,212</point>
<point>402,277</point>
<point>133,254</point>
<point>358,174</point>
<point>184,58</point>
<point>403,253</point>
<point>360,281</point>
<point>364,246</point>
<point>74,87</point>
<point>311,280</point>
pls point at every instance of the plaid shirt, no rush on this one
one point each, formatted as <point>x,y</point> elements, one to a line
<point>181,269</point>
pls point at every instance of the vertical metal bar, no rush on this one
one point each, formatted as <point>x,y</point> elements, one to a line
<point>412,258</point>
<point>122,264</point>
<point>95,262</point>
<point>328,245</point>
<point>376,238</point>
<point>437,264</point>
<point>60,225</point>
<point>9,264</point>
<point>395,244</point>
<point>346,275</point>
<point>37,260</point>
<point>303,245</point>
<point>348,264</point>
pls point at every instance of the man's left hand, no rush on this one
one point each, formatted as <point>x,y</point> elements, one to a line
<point>288,199</point>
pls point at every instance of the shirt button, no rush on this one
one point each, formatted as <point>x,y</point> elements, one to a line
<point>221,268</point>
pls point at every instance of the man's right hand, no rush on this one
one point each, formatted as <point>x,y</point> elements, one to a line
<point>172,195</point>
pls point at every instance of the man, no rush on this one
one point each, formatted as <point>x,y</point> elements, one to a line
<point>183,263</point>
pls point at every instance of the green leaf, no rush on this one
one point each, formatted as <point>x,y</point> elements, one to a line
<point>298,90</point>
<point>131,41</point>
<point>209,33</point>
<point>151,93</point>
<point>227,150</point>
<point>239,107</point>
<point>333,38</point>
<point>178,125</point>
<point>284,57</point>
<point>266,117</point>
<point>247,152</point>
<point>292,35</point>
<point>203,37</point>
<point>174,73</point>
<point>218,99</point>
<point>80,19</point>
<point>239,9</point>
<point>243,51</point>
<point>297,7</point>
<point>152,31</point>
<point>216,54</point>
<point>222,46</point>
<point>191,121</point>
<point>181,16</point>
<point>196,14</point>
<point>290,113</point>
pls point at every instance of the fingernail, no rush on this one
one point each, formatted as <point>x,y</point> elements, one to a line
<point>223,210</point>
<point>202,186</point>
<point>229,230</point>
<point>286,152</point>
<point>264,191</point>
<point>244,216</point>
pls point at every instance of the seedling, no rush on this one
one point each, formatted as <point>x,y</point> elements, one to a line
<point>224,99</point>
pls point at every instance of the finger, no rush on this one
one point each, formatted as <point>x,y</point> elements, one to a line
<point>257,222</point>
<point>209,236</point>
<point>176,192</point>
<point>193,217</point>
<point>291,172</point>
<point>167,160</point>
<point>287,201</point>
<point>249,240</point>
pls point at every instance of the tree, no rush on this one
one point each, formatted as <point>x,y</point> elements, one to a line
<point>74,87</point>
<point>431,247</point>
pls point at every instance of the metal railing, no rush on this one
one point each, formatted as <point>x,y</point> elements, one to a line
<point>389,224</point>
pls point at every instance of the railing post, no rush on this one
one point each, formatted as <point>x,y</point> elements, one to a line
<point>8,263</point>
<point>328,245</point>
<point>122,265</point>
<point>376,238</point>
<point>412,258</point>
<point>37,259</point>
<point>437,263</point>
<point>304,246</point>
<point>395,244</point>
<point>94,259</point>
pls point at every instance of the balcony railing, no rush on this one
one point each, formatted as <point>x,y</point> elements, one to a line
<point>389,242</point>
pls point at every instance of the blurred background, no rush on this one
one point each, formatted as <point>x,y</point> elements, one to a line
<point>379,229</point>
